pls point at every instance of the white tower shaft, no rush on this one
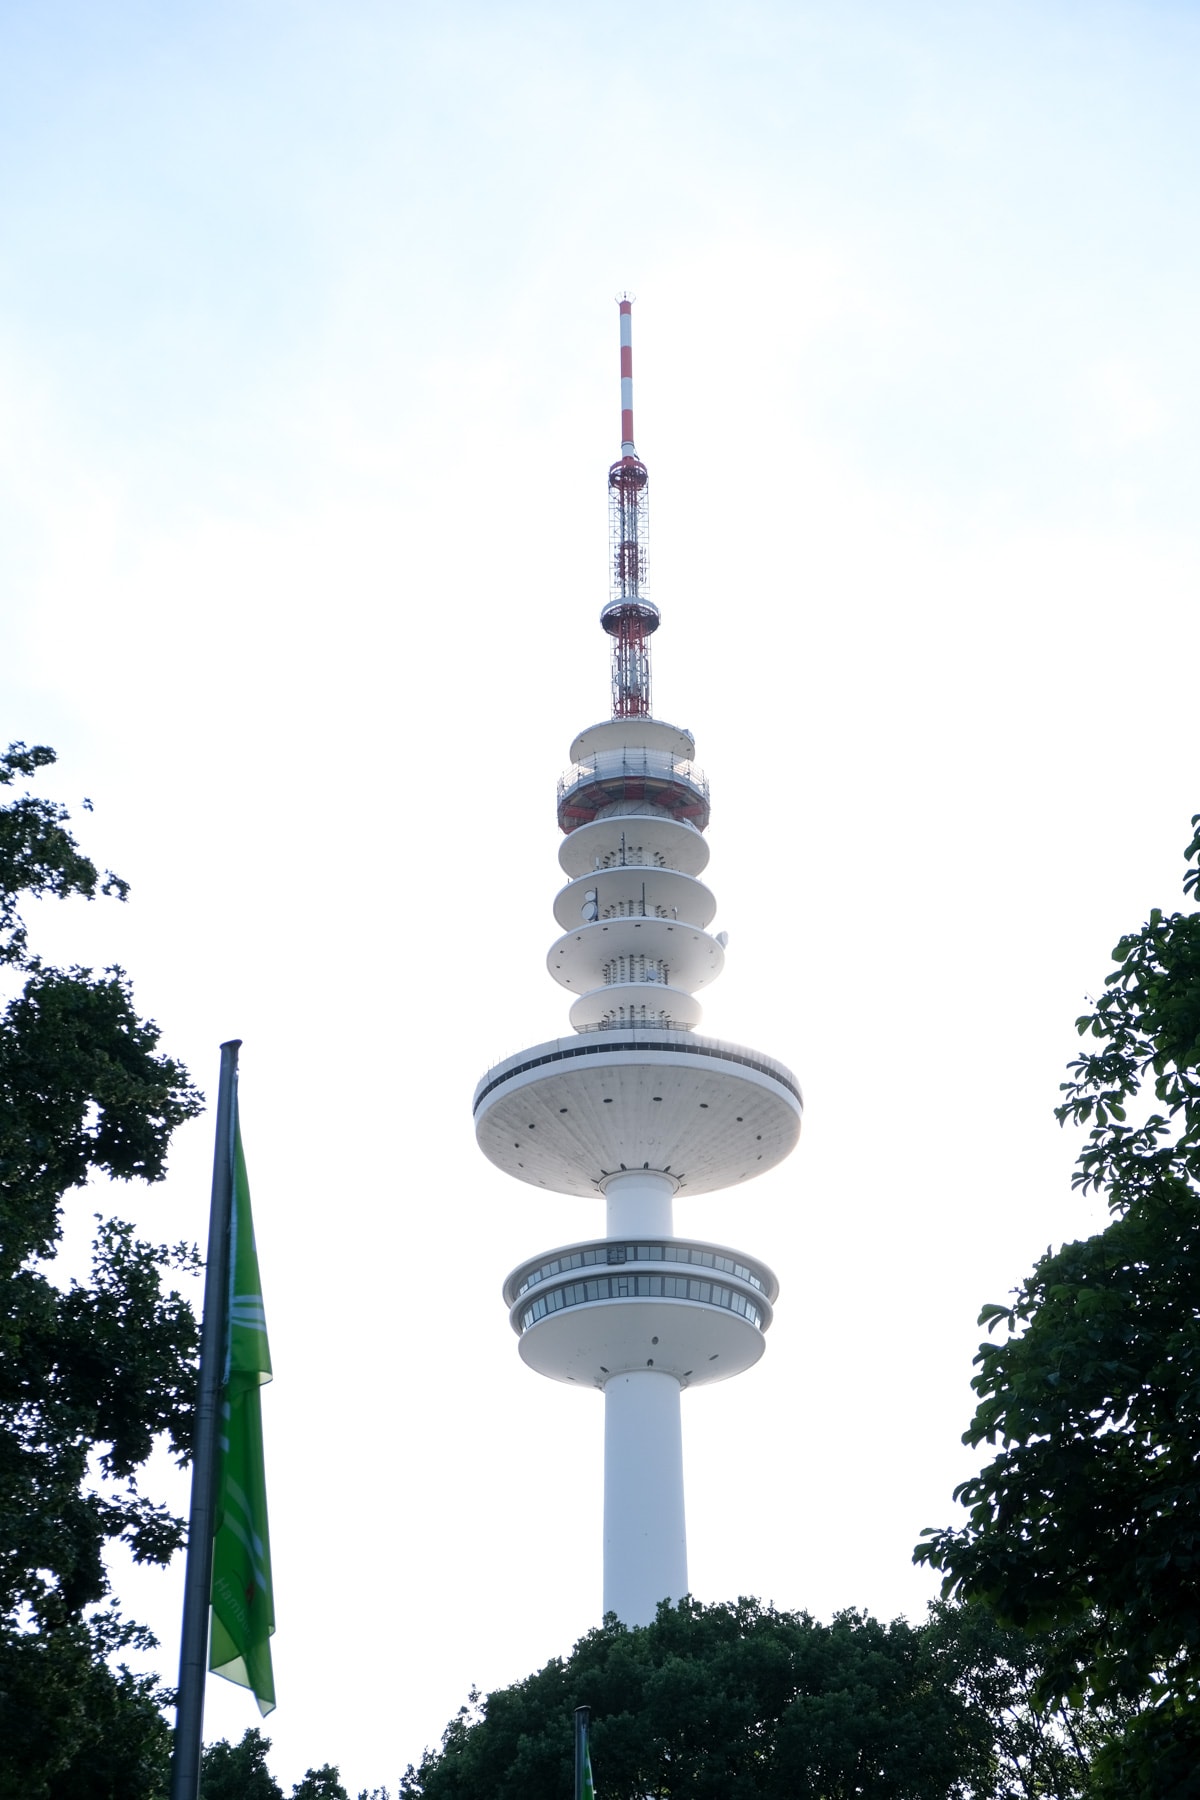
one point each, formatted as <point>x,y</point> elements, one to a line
<point>645,1535</point>
<point>640,1204</point>
<point>645,1531</point>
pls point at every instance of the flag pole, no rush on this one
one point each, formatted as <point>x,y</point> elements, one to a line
<point>582,1716</point>
<point>193,1641</point>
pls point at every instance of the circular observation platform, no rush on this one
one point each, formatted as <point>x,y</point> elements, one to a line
<point>613,949</point>
<point>628,838</point>
<point>645,1002</point>
<point>633,734</point>
<point>630,614</point>
<point>567,1114</point>
<point>691,1310</point>
<point>625,774</point>
<point>633,892</point>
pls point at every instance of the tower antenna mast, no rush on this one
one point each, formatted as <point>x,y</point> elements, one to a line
<point>630,616</point>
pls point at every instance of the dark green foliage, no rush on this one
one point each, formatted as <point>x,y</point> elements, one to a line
<point>729,1702</point>
<point>91,1374</point>
<point>1037,1749</point>
<point>744,1701</point>
<point>72,1727</point>
<point>81,1089</point>
<point>97,1371</point>
<point>1086,1524</point>
<point>1157,1757</point>
<point>238,1771</point>
<point>320,1784</point>
<point>38,855</point>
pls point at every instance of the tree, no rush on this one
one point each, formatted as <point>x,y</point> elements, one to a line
<point>1086,1524</point>
<point>320,1784</point>
<point>1039,1748</point>
<point>91,1373</point>
<point>742,1701</point>
<point>238,1771</point>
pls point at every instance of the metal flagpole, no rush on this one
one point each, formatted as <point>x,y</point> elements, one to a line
<point>582,1716</point>
<point>193,1641</point>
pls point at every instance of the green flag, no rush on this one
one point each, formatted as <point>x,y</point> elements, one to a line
<point>243,1609</point>
<point>584,1786</point>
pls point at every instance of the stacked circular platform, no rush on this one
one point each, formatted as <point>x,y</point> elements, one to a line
<point>638,1089</point>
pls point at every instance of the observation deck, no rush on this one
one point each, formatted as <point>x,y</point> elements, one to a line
<point>688,1309</point>
<point>567,1114</point>
<point>628,776</point>
<point>638,734</point>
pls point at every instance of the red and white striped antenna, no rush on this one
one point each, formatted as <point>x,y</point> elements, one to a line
<point>626,305</point>
<point>630,616</point>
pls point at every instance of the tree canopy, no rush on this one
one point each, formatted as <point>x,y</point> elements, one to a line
<point>239,1772</point>
<point>742,1701</point>
<point>92,1372</point>
<point>1086,1523</point>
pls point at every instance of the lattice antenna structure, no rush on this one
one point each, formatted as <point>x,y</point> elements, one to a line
<point>630,616</point>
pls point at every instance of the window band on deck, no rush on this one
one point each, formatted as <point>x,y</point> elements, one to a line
<point>609,1251</point>
<point>629,1287</point>
<point>759,1064</point>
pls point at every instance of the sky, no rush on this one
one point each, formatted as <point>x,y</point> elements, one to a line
<point>308,368</point>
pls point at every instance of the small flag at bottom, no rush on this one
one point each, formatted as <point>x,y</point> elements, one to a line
<point>584,1789</point>
<point>243,1607</point>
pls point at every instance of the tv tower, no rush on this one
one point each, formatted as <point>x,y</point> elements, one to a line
<point>637,1108</point>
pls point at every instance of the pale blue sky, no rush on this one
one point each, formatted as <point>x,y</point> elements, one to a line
<point>308,377</point>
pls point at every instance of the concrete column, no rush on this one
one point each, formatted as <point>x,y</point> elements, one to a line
<point>645,1533</point>
<point>640,1204</point>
